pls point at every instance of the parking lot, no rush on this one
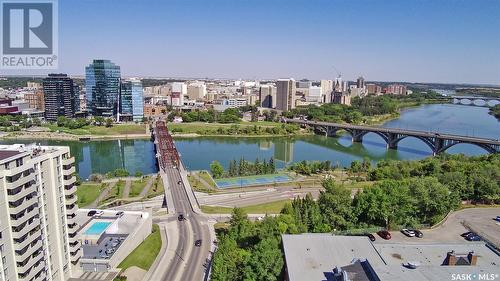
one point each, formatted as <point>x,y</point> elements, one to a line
<point>479,220</point>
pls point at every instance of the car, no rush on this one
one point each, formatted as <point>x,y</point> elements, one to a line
<point>120,214</point>
<point>91,213</point>
<point>384,234</point>
<point>467,233</point>
<point>418,233</point>
<point>497,218</point>
<point>98,214</point>
<point>408,232</point>
<point>197,243</point>
<point>370,236</point>
<point>472,237</point>
<point>179,182</point>
<point>181,217</point>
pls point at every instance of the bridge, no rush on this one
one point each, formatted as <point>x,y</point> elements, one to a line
<point>488,101</point>
<point>437,142</point>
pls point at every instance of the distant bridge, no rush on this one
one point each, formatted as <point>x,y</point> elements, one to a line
<point>488,101</point>
<point>437,142</point>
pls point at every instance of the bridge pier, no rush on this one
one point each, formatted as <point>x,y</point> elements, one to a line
<point>331,132</point>
<point>357,135</point>
<point>392,141</point>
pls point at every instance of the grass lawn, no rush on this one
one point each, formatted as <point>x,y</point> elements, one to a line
<point>137,187</point>
<point>117,129</point>
<point>204,175</point>
<point>115,193</point>
<point>156,189</point>
<point>265,208</point>
<point>88,192</point>
<point>145,254</point>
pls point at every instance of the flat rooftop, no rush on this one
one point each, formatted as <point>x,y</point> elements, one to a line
<point>4,154</point>
<point>314,257</point>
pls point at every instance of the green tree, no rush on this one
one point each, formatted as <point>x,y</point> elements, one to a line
<point>216,169</point>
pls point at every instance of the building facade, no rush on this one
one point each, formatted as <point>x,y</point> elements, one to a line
<point>59,97</point>
<point>267,96</point>
<point>35,100</point>
<point>196,91</point>
<point>38,206</point>
<point>102,87</point>
<point>179,89</point>
<point>131,101</point>
<point>285,94</point>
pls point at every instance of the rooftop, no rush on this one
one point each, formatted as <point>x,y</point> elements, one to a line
<point>4,154</point>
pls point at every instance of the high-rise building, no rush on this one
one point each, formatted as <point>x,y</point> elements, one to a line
<point>131,101</point>
<point>396,89</point>
<point>371,88</point>
<point>196,91</point>
<point>360,83</point>
<point>59,96</point>
<point>38,204</point>
<point>339,85</point>
<point>341,98</point>
<point>285,94</point>
<point>267,96</point>
<point>304,83</point>
<point>102,85</point>
<point>179,89</point>
<point>315,94</point>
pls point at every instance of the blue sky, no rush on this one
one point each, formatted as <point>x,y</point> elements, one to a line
<point>423,41</point>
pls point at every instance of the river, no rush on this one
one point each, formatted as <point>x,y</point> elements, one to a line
<point>198,153</point>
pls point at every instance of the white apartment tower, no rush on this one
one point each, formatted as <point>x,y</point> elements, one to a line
<point>38,204</point>
<point>285,94</point>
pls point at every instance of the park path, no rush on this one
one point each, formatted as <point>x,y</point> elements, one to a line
<point>205,184</point>
<point>126,189</point>
<point>146,188</point>
<point>103,195</point>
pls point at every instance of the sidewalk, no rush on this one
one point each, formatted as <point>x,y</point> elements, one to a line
<point>103,195</point>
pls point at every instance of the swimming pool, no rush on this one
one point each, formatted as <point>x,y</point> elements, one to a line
<point>97,228</point>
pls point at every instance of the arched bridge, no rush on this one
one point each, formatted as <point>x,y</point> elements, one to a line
<point>437,142</point>
<point>488,101</point>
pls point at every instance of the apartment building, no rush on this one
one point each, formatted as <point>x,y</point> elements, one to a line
<point>38,204</point>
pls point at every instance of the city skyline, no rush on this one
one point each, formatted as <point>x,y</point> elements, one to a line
<point>445,42</point>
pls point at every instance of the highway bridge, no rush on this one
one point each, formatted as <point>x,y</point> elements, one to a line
<point>436,141</point>
<point>188,260</point>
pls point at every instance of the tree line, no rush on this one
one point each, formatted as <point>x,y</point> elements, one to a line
<point>311,167</point>
<point>243,168</point>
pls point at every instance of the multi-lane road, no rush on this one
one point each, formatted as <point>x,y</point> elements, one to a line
<point>188,261</point>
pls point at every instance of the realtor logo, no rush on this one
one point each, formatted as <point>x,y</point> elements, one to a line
<point>29,34</point>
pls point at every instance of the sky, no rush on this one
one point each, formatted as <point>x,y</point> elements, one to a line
<point>450,41</point>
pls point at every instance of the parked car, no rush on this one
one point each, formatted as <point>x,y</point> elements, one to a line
<point>120,214</point>
<point>472,237</point>
<point>497,218</point>
<point>98,214</point>
<point>408,232</point>
<point>418,233</point>
<point>197,243</point>
<point>466,233</point>
<point>384,234</point>
<point>91,213</point>
<point>181,217</point>
<point>370,236</point>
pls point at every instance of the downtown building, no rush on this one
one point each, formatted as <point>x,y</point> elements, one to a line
<point>131,101</point>
<point>285,94</point>
<point>267,96</point>
<point>60,97</point>
<point>102,87</point>
<point>38,204</point>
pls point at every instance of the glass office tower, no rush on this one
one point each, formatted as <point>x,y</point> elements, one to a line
<point>102,85</point>
<point>131,100</point>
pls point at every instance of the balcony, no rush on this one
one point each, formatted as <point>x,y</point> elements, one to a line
<point>19,182</point>
<point>23,269</point>
<point>70,220</point>
<point>71,200</point>
<point>73,248</point>
<point>16,170</point>
<point>21,194</point>
<point>71,208</point>
<point>34,271</point>
<point>74,258</point>
<point>69,181</point>
<point>69,171</point>
<point>71,190</point>
<point>29,251</point>
<point>68,161</point>
<point>24,205</point>
<point>24,218</point>
<point>26,229</point>
<point>29,239</point>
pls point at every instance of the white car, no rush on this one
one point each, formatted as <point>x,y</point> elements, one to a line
<point>98,214</point>
<point>408,232</point>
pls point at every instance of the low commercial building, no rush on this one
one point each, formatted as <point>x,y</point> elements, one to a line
<point>323,256</point>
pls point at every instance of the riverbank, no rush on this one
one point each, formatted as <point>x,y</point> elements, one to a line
<point>25,135</point>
